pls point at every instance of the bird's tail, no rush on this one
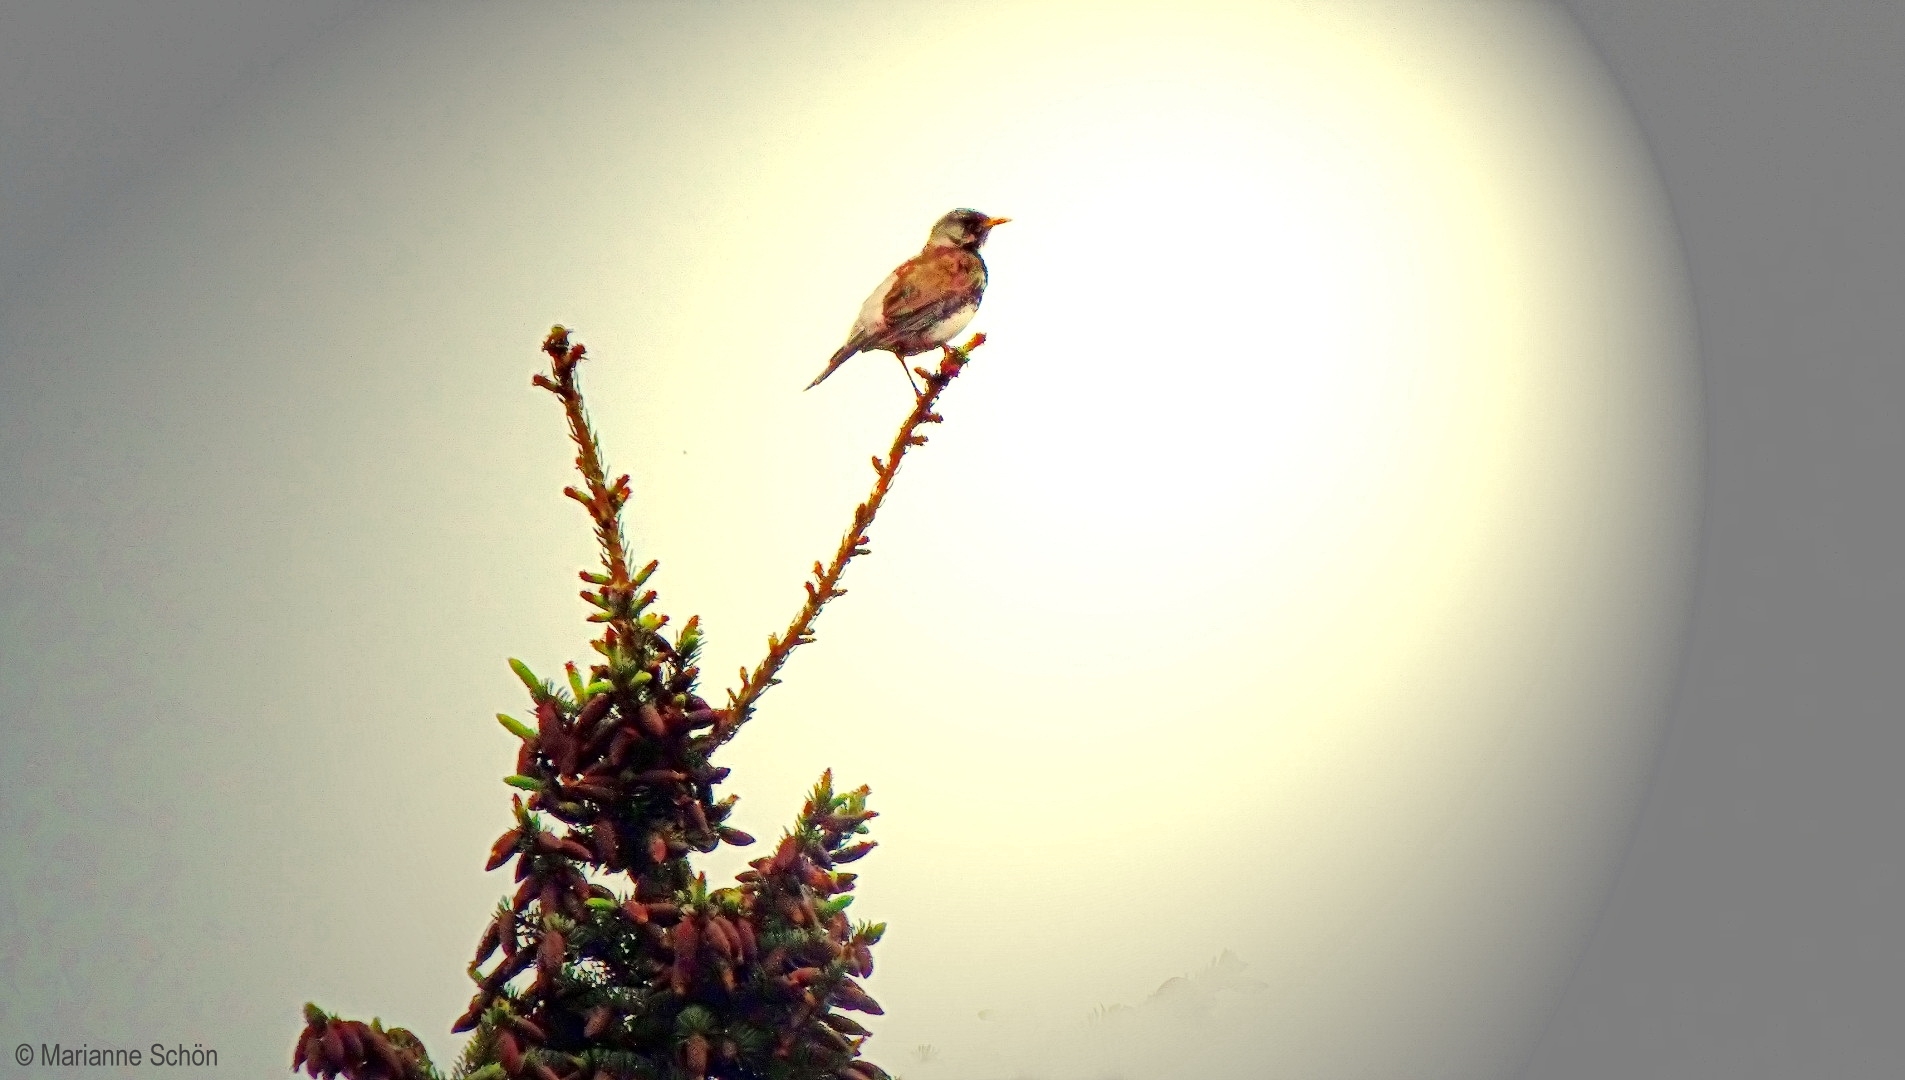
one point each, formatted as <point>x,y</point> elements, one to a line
<point>839,358</point>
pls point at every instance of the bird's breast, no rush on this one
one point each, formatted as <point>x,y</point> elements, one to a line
<point>947,328</point>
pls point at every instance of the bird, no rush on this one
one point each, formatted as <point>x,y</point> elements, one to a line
<point>926,299</point>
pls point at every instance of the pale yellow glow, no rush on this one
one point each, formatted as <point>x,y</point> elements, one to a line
<point>1298,571</point>
<point>1288,578</point>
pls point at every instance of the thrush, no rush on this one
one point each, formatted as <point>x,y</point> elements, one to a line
<point>927,299</point>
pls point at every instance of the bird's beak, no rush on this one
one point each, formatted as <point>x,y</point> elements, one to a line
<point>992,221</point>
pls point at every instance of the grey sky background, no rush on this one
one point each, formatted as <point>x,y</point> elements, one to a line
<point>95,94</point>
<point>1752,930</point>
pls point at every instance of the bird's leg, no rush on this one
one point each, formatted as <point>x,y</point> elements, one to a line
<point>909,374</point>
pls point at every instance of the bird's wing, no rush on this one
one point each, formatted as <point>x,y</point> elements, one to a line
<point>866,331</point>
<point>929,288</point>
<point>873,312</point>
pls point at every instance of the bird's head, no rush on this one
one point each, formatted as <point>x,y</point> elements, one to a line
<point>963,229</point>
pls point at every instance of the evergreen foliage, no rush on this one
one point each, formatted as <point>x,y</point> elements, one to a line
<point>614,960</point>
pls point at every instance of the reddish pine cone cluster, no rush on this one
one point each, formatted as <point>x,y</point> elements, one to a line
<point>734,983</point>
<point>671,980</point>
<point>330,1047</point>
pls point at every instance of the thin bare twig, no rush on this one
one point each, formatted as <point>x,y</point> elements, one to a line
<point>825,584</point>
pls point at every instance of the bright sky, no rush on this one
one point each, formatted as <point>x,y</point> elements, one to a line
<point>1295,572</point>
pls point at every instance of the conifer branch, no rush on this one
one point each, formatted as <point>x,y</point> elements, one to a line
<point>615,594</point>
<point>825,584</point>
<point>603,502</point>
<point>661,978</point>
